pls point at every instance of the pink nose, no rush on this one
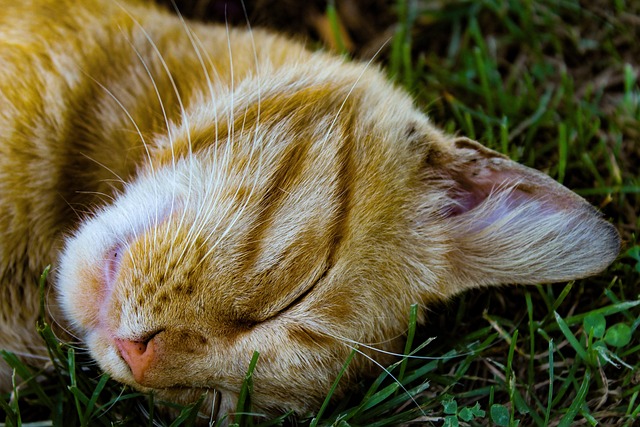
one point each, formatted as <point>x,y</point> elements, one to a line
<point>139,355</point>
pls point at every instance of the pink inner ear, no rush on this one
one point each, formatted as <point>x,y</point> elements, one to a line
<point>475,184</point>
<point>465,201</point>
<point>487,189</point>
<point>494,193</point>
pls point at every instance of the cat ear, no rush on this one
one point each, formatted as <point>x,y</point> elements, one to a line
<point>512,224</point>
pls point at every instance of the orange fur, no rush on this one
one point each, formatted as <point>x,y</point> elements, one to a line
<point>206,193</point>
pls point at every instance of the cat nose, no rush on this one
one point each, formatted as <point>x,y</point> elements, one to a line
<point>164,358</point>
<point>139,355</point>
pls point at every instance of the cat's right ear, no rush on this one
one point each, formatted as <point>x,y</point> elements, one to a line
<point>507,223</point>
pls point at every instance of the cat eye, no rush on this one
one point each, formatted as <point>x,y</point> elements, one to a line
<point>247,322</point>
<point>297,300</point>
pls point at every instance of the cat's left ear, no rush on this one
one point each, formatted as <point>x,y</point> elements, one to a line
<point>508,223</point>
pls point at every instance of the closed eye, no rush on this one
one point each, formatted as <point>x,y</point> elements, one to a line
<point>247,320</point>
<point>303,295</point>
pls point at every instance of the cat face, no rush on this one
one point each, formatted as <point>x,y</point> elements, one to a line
<point>281,228</point>
<point>299,214</point>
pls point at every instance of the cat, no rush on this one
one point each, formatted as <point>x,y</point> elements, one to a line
<point>205,192</point>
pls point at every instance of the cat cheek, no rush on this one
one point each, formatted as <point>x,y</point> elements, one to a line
<point>82,296</point>
<point>86,276</point>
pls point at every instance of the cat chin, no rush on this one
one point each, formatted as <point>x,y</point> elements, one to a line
<point>218,403</point>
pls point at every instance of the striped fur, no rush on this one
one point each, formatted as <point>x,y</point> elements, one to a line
<point>213,192</point>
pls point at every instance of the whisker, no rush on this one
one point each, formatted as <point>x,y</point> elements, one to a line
<point>115,401</point>
<point>390,353</point>
<point>167,126</point>
<point>78,213</point>
<point>219,177</point>
<point>409,356</point>
<point>344,102</point>
<point>129,116</point>
<point>27,355</point>
<point>192,38</point>
<point>183,112</point>
<point>256,145</point>
<point>215,400</point>
<point>102,165</point>
<point>99,193</point>
<point>415,402</point>
<point>133,122</point>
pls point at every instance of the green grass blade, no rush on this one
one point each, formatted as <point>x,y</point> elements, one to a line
<point>567,420</point>
<point>11,410</point>
<point>243,407</point>
<point>26,375</point>
<point>316,419</point>
<point>189,414</point>
<point>89,411</point>
<point>332,16</point>
<point>571,338</point>
<point>563,150</point>
<point>547,413</point>
<point>413,316</point>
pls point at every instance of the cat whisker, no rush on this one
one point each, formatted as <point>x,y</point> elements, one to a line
<point>115,401</point>
<point>197,50</point>
<point>165,66</point>
<point>199,53</point>
<point>425,343</point>
<point>59,325</point>
<point>102,165</point>
<point>209,205</point>
<point>353,86</point>
<point>52,314</point>
<point>400,355</point>
<point>83,351</point>
<point>101,194</point>
<point>235,218</point>
<point>375,362</point>
<point>211,401</point>
<point>68,332</point>
<point>127,113</point>
<point>215,402</point>
<point>76,211</point>
<point>167,126</point>
<point>217,180</point>
<point>123,241</point>
<point>255,145</point>
<point>131,120</point>
<point>183,112</point>
<point>28,355</point>
<point>191,235</point>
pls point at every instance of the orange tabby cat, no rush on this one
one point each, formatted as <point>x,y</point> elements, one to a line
<point>205,193</point>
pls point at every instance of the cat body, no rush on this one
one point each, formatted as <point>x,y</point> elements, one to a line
<point>203,193</point>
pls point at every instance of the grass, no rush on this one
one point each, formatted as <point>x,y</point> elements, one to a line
<point>554,86</point>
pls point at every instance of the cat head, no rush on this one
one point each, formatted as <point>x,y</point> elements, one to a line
<point>299,217</point>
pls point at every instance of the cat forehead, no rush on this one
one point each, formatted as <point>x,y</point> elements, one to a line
<point>300,102</point>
